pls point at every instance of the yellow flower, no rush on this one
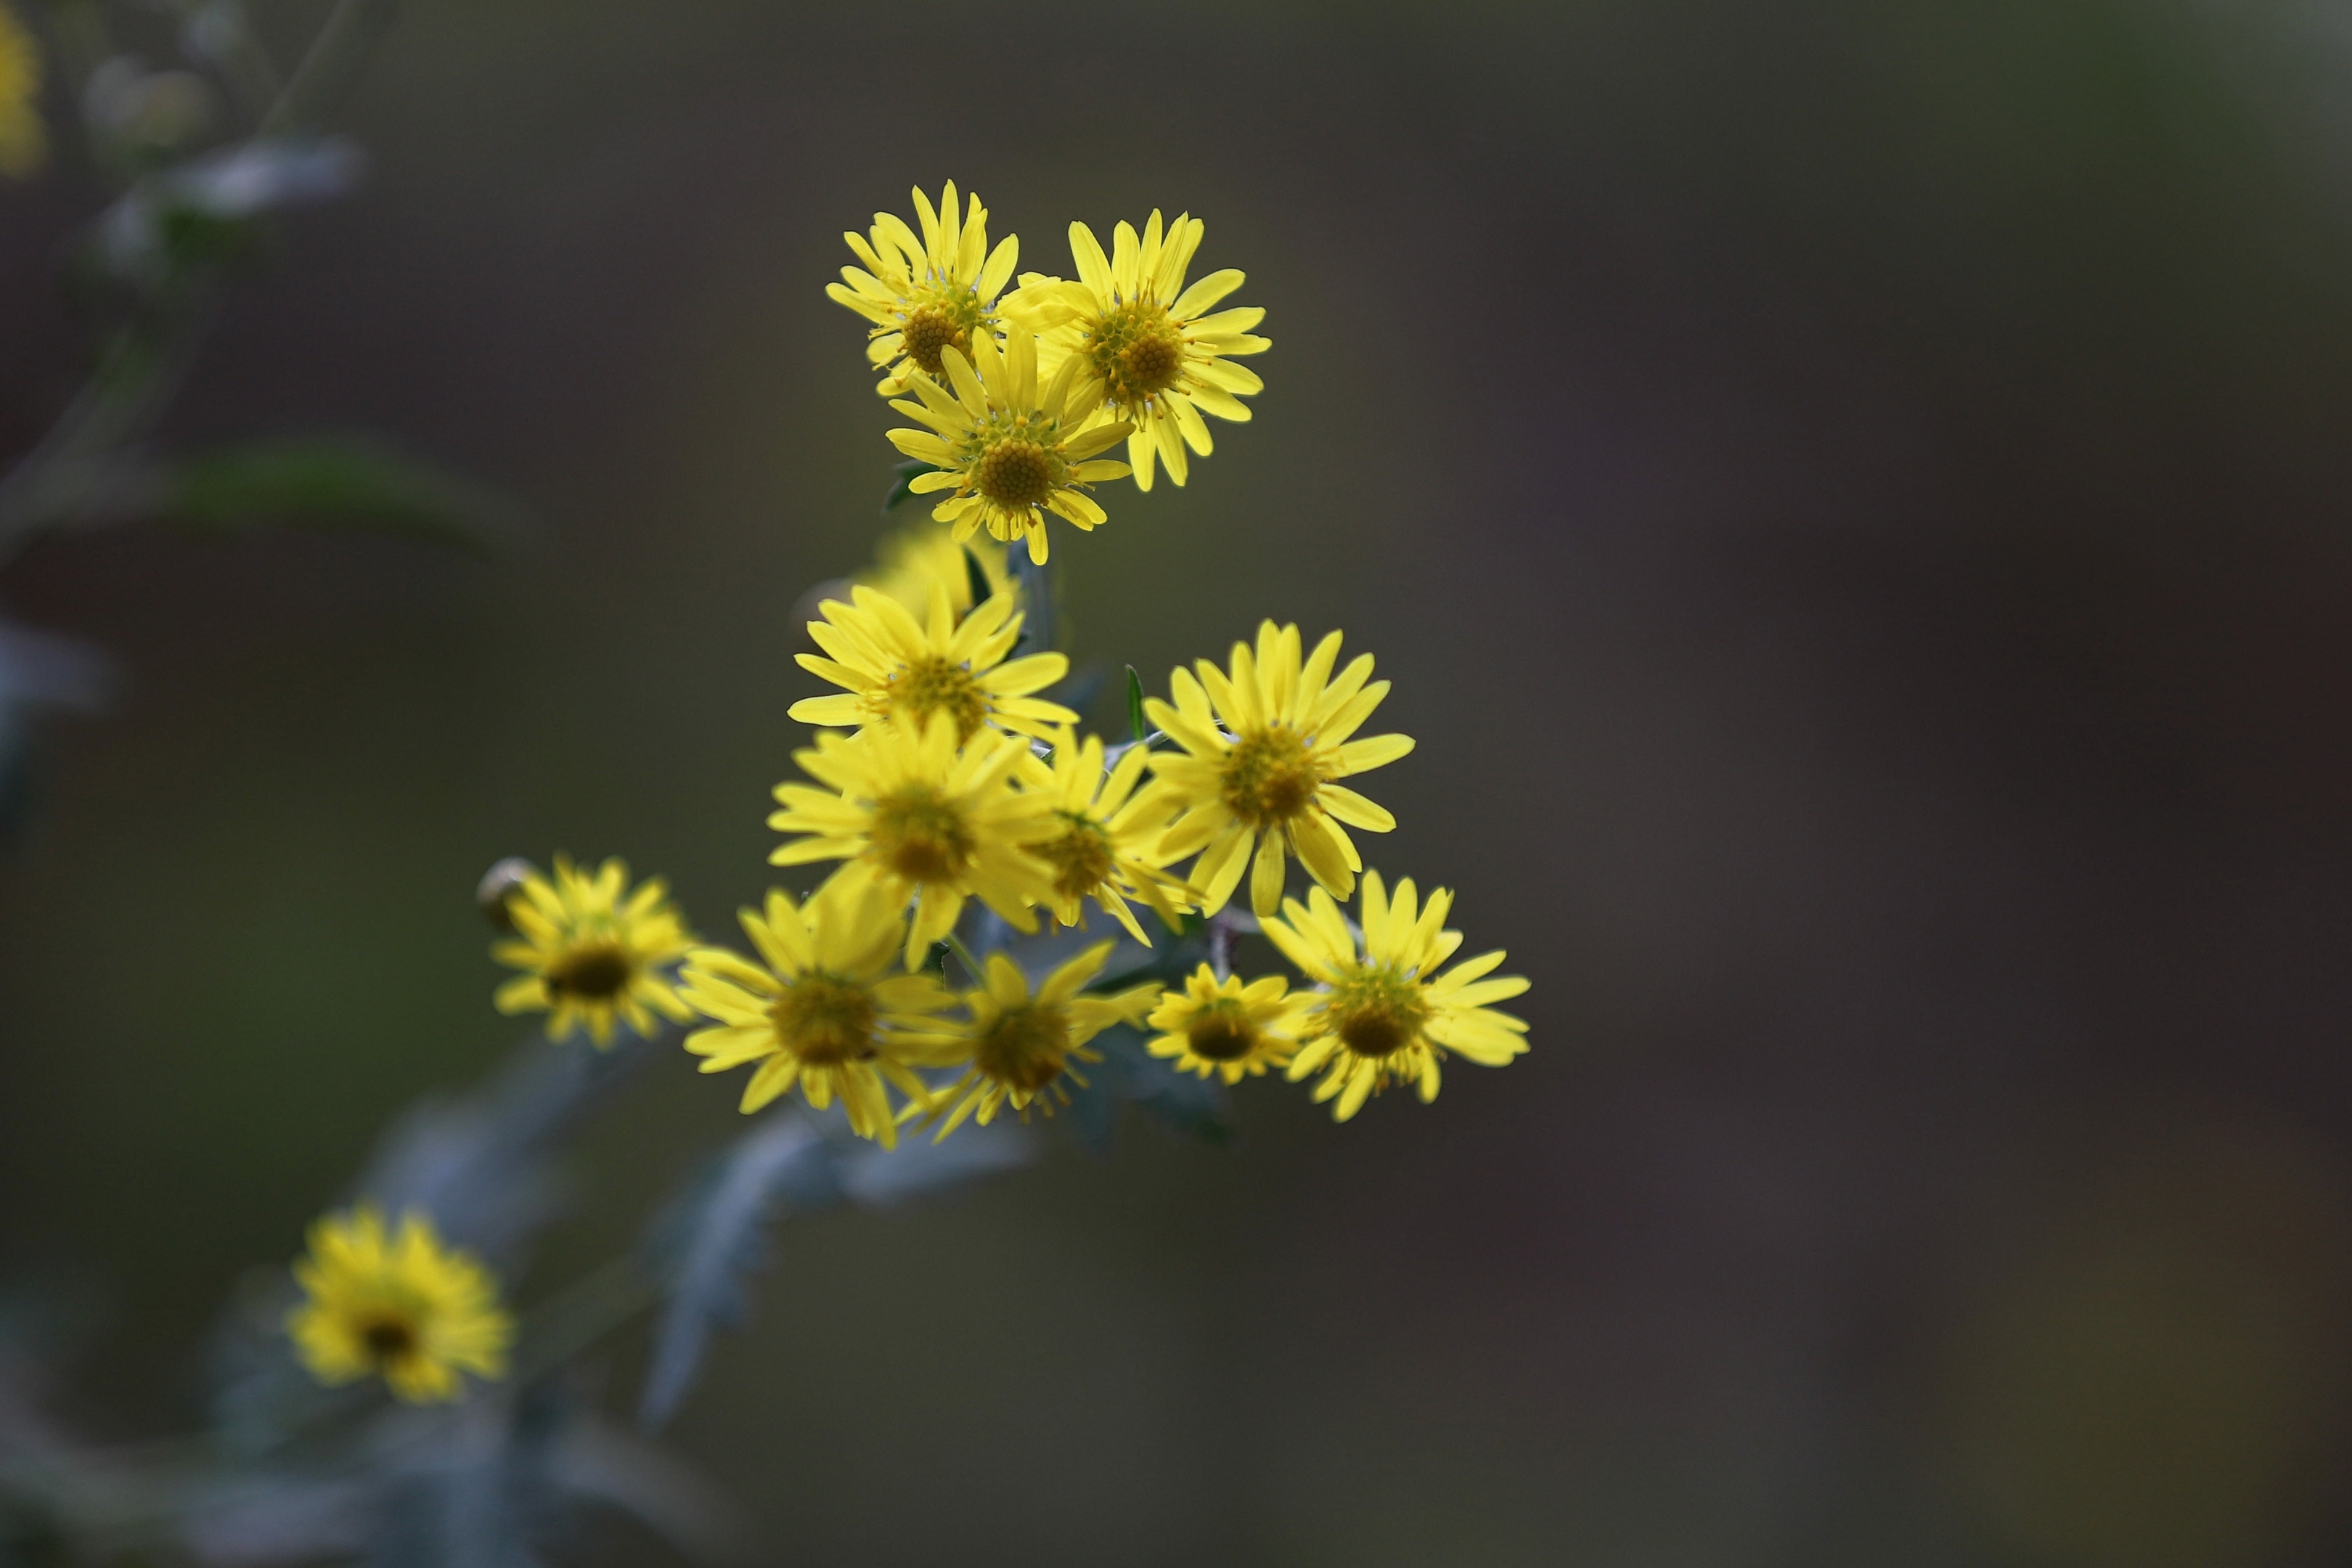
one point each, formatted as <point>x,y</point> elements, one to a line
<point>1224,1027</point>
<point>401,1305</point>
<point>1010,453</point>
<point>592,956</point>
<point>821,1008</point>
<point>1385,1015</point>
<point>892,663</point>
<point>23,142</point>
<point>1021,1045</point>
<point>924,817</point>
<point>1268,771</point>
<point>1106,840</point>
<point>913,559</point>
<point>1162,357</point>
<point>925,296</point>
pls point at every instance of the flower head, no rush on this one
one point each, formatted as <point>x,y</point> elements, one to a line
<point>1384,1014</point>
<point>820,1005</point>
<point>1010,452</point>
<point>1105,843</point>
<point>892,663</point>
<point>1162,352</point>
<point>1262,749</point>
<point>926,818</point>
<point>913,559</point>
<point>1225,1027</point>
<point>925,296</point>
<point>396,1304</point>
<point>23,142</point>
<point>1021,1044</point>
<point>592,956</point>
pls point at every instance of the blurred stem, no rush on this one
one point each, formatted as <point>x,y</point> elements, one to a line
<point>584,1313</point>
<point>964,957</point>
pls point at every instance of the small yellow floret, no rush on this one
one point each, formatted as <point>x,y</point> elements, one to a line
<point>1226,1028</point>
<point>592,956</point>
<point>1383,1014</point>
<point>888,662</point>
<point>925,296</point>
<point>1021,1045</point>
<point>821,1005</point>
<point>1262,751</point>
<point>1162,353</point>
<point>399,1305</point>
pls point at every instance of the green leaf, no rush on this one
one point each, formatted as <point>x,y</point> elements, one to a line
<point>1135,729</point>
<point>909,471</point>
<point>327,483</point>
<point>976,577</point>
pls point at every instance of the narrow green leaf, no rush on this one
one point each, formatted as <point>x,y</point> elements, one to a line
<point>1135,706</point>
<point>328,483</point>
<point>909,471</point>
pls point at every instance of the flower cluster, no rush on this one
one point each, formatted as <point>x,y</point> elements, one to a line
<point>1016,395</point>
<point>958,803</point>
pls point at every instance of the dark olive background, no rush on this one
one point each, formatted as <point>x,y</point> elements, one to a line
<point>1853,502</point>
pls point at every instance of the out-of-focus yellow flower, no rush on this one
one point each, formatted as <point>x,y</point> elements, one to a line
<point>926,818</point>
<point>23,144</point>
<point>1265,778</point>
<point>925,296</point>
<point>1010,452</point>
<point>1106,840</point>
<point>822,1005</point>
<point>396,1304</point>
<point>1021,1045</point>
<point>1225,1027</point>
<point>1162,352</point>
<point>591,956</point>
<point>1385,1015</point>
<point>914,558</point>
<point>891,663</point>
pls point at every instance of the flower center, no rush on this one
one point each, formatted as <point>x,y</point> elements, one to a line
<point>1017,472</point>
<point>1025,1048</point>
<point>931,685</point>
<point>1269,777</point>
<point>1220,1031</point>
<point>826,1021</point>
<point>593,971</point>
<point>941,318</point>
<point>1376,1010</point>
<point>389,1340</point>
<point>1081,856</point>
<point>1136,351</point>
<point>920,835</point>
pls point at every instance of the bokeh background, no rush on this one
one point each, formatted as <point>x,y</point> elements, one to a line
<point>1853,500</point>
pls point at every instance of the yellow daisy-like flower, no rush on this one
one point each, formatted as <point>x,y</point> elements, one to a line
<point>1224,1027</point>
<point>23,144</point>
<point>926,818</point>
<point>892,663</point>
<point>1162,352</point>
<point>1385,1015</point>
<point>396,1304</point>
<point>1266,777</point>
<point>1106,840</point>
<point>822,1007</point>
<point>591,956</point>
<point>925,296</point>
<point>1021,1045</point>
<point>1010,452</point>
<point>913,559</point>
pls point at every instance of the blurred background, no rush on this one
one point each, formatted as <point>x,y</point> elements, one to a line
<point>1854,502</point>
